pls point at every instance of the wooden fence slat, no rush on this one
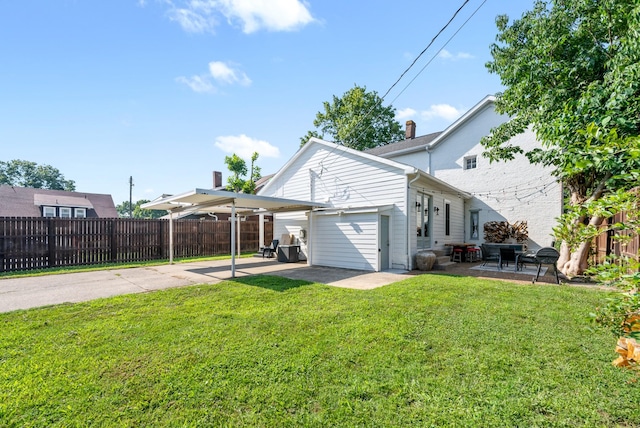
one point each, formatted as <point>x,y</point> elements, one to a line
<point>28,243</point>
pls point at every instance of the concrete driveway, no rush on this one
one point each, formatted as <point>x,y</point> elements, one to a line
<point>31,292</point>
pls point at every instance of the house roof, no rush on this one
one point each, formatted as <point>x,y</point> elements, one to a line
<point>410,145</point>
<point>333,147</point>
<point>26,202</point>
<point>430,141</point>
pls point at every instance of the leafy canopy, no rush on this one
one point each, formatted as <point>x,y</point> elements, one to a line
<point>29,174</point>
<point>571,70</point>
<point>137,211</point>
<point>357,120</point>
<point>238,167</point>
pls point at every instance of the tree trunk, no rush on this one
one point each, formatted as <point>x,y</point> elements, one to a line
<point>574,263</point>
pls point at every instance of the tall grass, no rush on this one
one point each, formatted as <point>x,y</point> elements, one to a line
<point>267,351</point>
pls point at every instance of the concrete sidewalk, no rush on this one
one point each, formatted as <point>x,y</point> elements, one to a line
<point>31,292</point>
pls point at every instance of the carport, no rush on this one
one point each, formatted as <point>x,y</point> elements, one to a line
<point>205,200</point>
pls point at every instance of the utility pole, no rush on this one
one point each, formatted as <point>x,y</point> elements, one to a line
<point>130,196</point>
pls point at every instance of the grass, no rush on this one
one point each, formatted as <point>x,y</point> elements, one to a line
<point>97,267</point>
<point>267,351</point>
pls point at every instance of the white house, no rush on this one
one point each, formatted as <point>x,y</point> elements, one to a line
<point>510,191</point>
<point>381,211</point>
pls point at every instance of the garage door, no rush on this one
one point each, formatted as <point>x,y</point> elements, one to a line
<point>346,241</point>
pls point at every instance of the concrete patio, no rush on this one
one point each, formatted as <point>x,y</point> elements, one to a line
<point>31,292</point>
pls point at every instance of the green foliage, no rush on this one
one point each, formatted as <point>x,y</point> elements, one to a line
<point>268,351</point>
<point>619,313</point>
<point>238,168</point>
<point>571,70</point>
<point>137,211</point>
<point>29,174</point>
<point>357,120</point>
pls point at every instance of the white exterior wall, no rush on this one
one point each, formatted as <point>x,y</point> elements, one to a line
<point>346,181</point>
<point>503,191</point>
<point>438,232</point>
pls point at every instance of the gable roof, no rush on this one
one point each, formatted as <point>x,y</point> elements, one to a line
<point>430,141</point>
<point>410,145</point>
<point>26,202</point>
<point>333,147</point>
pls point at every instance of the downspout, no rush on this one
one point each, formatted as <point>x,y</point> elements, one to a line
<point>409,258</point>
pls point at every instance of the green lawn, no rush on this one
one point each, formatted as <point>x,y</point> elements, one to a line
<point>270,352</point>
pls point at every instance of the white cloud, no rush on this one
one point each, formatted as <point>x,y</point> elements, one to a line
<point>445,54</point>
<point>198,16</point>
<point>223,73</point>
<point>271,15</point>
<point>245,146</point>
<point>405,113</point>
<point>441,111</point>
<point>200,84</point>
<point>192,20</point>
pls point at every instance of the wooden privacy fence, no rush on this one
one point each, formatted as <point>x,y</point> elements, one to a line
<point>33,243</point>
<point>604,245</point>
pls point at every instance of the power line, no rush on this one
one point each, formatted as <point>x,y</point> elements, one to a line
<point>414,62</point>
<point>425,49</point>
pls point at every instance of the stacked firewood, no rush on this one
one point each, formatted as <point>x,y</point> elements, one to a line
<point>501,231</point>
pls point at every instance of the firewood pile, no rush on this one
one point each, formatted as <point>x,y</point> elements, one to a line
<point>502,231</point>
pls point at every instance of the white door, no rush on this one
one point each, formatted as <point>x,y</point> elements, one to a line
<point>347,241</point>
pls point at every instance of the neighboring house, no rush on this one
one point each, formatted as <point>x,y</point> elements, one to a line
<point>29,202</point>
<point>380,209</point>
<point>510,191</point>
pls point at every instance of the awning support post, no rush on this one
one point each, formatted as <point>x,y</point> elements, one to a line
<point>233,239</point>
<point>170,237</point>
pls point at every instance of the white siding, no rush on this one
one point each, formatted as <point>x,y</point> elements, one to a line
<point>348,181</point>
<point>346,241</point>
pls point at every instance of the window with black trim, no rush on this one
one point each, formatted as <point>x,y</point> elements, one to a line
<point>447,219</point>
<point>65,212</point>
<point>48,211</point>
<point>80,213</point>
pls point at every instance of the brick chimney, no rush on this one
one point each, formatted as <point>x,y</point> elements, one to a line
<point>410,133</point>
<point>217,179</point>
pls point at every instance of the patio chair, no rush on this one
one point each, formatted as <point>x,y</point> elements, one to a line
<point>489,254</point>
<point>270,249</point>
<point>508,255</point>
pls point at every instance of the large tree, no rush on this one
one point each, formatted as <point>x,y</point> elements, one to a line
<point>572,72</point>
<point>29,174</point>
<point>238,168</point>
<point>357,120</point>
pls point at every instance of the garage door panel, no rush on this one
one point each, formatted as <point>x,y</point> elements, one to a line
<point>347,241</point>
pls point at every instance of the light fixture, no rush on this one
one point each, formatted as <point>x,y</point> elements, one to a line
<point>437,210</point>
<point>418,205</point>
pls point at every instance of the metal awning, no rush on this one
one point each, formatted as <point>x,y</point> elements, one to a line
<point>207,200</point>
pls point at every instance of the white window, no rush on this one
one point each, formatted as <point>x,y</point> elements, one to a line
<point>81,212</point>
<point>470,162</point>
<point>48,211</point>
<point>65,212</point>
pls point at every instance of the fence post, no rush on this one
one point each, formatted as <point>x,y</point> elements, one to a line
<point>51,242</point>
<point>112,241</point>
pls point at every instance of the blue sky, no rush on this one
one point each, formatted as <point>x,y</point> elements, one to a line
<point>163,90</point>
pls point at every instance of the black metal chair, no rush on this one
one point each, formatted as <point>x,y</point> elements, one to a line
<point>270,249</point>
<point>489,254</point>
<point>508,255</point>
